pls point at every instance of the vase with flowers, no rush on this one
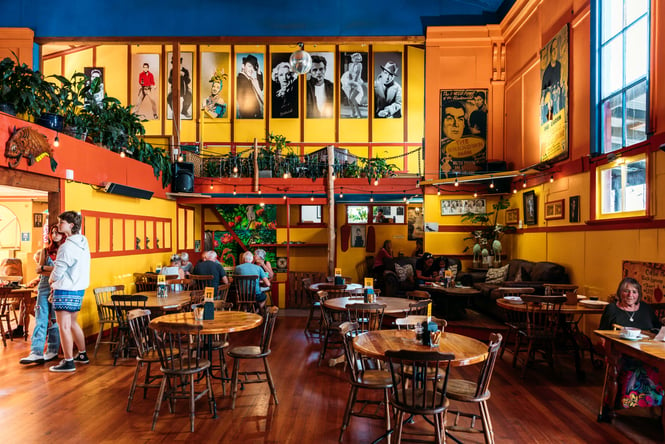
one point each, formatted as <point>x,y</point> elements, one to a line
<point>487,234</point>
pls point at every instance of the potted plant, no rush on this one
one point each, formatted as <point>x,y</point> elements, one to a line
<point>18,86</point>
<point>488,233</point>
<point>376,168</point>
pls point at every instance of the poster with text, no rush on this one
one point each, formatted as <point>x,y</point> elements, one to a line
<point>214,83</point>
<point>463,131</point>
<point>554,98</point>
<point>145,86</point>
<point>186,67</point>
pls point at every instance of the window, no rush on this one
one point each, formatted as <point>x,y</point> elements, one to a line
<point>623,187</point>
<point>380,214</point>
<point>357,214</point>
<point>623,67</point>
<point>310,214</point>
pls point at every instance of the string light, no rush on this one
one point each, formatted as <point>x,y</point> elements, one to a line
<point>514,190</point>
<point>492,183</point>
<point>235,170</point>
<point>552,178</point>
<point>234,190</point>
<point>180,158</point>
<point>260,192</point>
<point>438,191</point>
<point>376,182</point>
<point>524,183</point>
<point>371,197</point>
<point>122,154</point>
<point>456,182</point>
<point>475,194</point>
<point>262,204</point>
<point>284,197</point>
<point>341,192</point>
<point>211,184</point>
<point>56,142</point>
<point>312,197</point>
<point>404,198</point>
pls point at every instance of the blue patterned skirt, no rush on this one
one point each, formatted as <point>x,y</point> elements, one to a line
<point>68,300</point>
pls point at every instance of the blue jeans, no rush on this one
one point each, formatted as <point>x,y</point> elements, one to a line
<point>42,327</point>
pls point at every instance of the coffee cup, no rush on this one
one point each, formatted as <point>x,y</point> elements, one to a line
<point>631,332</point>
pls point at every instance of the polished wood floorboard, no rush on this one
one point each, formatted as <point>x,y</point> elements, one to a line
<point>88,406</point>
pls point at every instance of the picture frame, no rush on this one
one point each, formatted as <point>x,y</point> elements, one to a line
<point>512,216</point>
<point>146,85</point>
<point>555,209</point>
<point>415,223</point>
<point>38,220</point>
<point>574,209</point>
<point>453,207</point>
<point>214,86</point>
<point>530,202</point>
<point>358,236</point>
<point>186,86</point>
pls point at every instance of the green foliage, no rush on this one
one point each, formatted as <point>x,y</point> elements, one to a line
<point>487,229</point>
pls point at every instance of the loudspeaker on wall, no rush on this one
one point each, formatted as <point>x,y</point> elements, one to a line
<point>183,177</point>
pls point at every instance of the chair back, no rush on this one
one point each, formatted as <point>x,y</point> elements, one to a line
<point>419,307</point>
<point>139,325</point>
<point>196,297</point>
<point>200,281</point>
<point>369,317</point>
<point>124,303</point>
<point>103,299</point>
<point>418,294</point>
<point>334,291</point>
<point>180,347</point>
<point>568,290</point>
<point>245,287</point>
<point>222,292</point>
<point>350,330</point>
<point>409,322</point>
<point>145,282</point>
<point>483,384</point>
<point>420,380</point>
<point>179,284</point>
<point>542,315</point>
<point>268,328</point>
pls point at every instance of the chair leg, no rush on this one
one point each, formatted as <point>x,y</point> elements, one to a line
<point>99,339</point>
<point>234,382</point>
<point>158,404</point>
<point>139,364</point>
<point>488,431</point>
<point>399,422</point>
<point>270,381</point>
<point>386,401</point>
<point>325,346</point>
<point>192,404</point>
<point>211,395</point>
<point>309,318</point>
<point>347,413</point>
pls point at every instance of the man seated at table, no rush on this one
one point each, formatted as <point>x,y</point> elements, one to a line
<point>247,268</point>
<point>208,265</point>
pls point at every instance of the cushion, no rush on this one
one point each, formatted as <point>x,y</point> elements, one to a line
<point>404,272</point>
<point>518,275</point>
<point>549,272</point>
<point>453,269</point>
<point>521,266</point>
<point>496,275</point>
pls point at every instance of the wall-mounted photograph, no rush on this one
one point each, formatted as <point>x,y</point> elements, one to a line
<point>249,86</point>
<point>186,67</point>
<point>358,236</point>
<point>452,207</point>
<point>530,208</point>
<point>38,221</point>
<point>554,98</point>
<point>512,216</point>
<point>214,84</point>
<point>353,103</point>
<point>554,209</point>
<point>388,85</point>
<point>574,209</point>
<point>463,132</point>
<point>145,86</point>
<point>320,86</point>
<point>95,74</point>
<point>284,88</point>
<point>415,223</point>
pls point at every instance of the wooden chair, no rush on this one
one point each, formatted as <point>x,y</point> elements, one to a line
<point>423,394</point>
<point>361,377</point>
<point>218,343</point>
<point>559,289</point>
<point>200,281</point>
<point>6,301</point>
<point>145,282</point>
<point>314,305</point>
<point>542,323</point>
<point>179,284</point>
<point>476,392</point>
<point>144,339</point>
<point>659,309</point>
<point>180,349</point>
<point>514,319</point>
<point>123,304</point>
<point>330,322</point>
<point>196,297</point>
<point>106,313</point>
<point>418,294</point>
<point>222,292</point>
<point>245,287</point>
<point>262,351</point>
<point>409,322</point>
<point>419,307</point>
<point>368,316</point>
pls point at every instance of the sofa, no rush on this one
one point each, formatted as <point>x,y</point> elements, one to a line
<point>396,280</point>
<point>520,273</point>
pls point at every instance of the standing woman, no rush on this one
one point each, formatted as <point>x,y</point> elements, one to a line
<point>69,279</point>
<point>43,310</point>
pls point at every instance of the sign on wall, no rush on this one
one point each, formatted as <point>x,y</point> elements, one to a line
<point>651,277</point>
<point>554,98</point>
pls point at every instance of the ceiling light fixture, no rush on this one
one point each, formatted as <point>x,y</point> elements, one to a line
<point>300,60</point>
<point>552,178</point>
<point>438,191</point>
<point>524,183</point>
<point>475,194</point>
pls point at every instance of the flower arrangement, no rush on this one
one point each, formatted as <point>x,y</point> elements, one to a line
<point>488,232</point>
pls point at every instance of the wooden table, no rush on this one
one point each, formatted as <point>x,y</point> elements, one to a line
<point>349,287</point>
<point>174,300</point>
<point>646,350</point>
<point>449,302</point>
<point>374,344</point>
<point>394,306</point>
<point>224,322</point>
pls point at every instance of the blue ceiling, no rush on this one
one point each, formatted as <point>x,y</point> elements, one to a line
<point>260,18</point>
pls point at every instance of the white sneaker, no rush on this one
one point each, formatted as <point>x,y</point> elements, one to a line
<point>50,356</point>
<point>32,358</point>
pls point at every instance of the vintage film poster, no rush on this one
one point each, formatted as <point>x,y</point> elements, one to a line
<point>284,91</point>
<point>145,86</point>
<point>250,86</point>
<point>92,74</point>
<point>387,85</point>
<point>321,86</point>
<point>214,83</point>
<point>415,223</point>
<point>186,69</point>
<point>554,98</point>
<point>354,100</point>
<point>463,131</point>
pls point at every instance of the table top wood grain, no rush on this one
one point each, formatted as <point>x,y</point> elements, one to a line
<point>565,309</point>
<point>374,344</point>
<point>394,306</point>
<point>224,322</point>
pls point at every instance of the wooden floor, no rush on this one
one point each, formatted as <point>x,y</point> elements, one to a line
<point>88,406</point>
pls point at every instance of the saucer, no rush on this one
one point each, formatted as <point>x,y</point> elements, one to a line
<point>641,336</point>
<point>594,304</point>
<point>514,300</point>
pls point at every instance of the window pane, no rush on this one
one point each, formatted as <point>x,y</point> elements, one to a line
<point>636,51</point>
<point>611,190</point>
<point>310,214</point>
<point>634,9</point>
<point>612,118</point>
<point>612,67</point>
<point>611,18</point>
<point>391,214</point>
<point>357,214</point>
<point>636,114</point>
<point>636,186</point>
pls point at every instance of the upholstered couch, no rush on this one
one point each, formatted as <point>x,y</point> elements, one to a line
<point>520,273</point>
<point>396,282</point>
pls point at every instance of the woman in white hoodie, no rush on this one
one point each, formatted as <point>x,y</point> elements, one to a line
<point>69,279</point>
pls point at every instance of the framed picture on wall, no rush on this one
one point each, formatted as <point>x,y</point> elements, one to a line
<point>554,209</point>
<point>38,220</point>
<point>321,86</point>
<point>530,208</point>
<point>145,85</point>
<point>512,216</point>
<point>415,223</point>
<point>388,85</point>
<point>186,67</point>
<point>249,85</point>
<point>285,96</point>
<point>574,209</point>
<point>358,236</point>
<point>452,207</point>
<point>354,100</point>
<point>214,84</point>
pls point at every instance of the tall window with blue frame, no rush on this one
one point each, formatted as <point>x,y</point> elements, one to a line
<point>623,72</point>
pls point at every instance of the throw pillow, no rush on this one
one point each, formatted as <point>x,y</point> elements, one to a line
<point>496,275</point>
<point>404,272</point>
<point>518,276</point>
<point>453,269</point>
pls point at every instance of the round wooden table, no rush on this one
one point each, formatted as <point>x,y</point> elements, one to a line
<point>224,322</point>
<point>565,309</point>
<point>449,302</point>
<point>394,306</point>
<point>349,287</point>
<point>374,344</point>
<point>174,301</point>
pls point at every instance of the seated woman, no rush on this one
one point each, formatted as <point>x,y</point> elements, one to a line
<point>383,259</point>
<point>174,268</point>
<point>427,269</point>
<point>638,384</point>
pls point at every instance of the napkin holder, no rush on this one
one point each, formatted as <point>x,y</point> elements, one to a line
<point>428,327</point>
<point>162,290</point>
<point>339,280</point>
<point>208,310</point>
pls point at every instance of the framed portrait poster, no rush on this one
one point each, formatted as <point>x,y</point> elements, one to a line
<point>415,223</point>
<point>452,207</point>
<point>214,84</point>
<point>353,103</point>
<point>284,88</point>
<point>574,209</point>
<point>249,86</point>
<point>38,221</point>
<point>95,74</point>
<point>463,133</point>
<point>145,86</point>
<point>322,78</point>
<point>554,98</point>
<point>554,209</point>
<point>512,216</point>
<point>358,236</point>
<point>530,208</point>
<point>387,85</point>
<point>186,67</point>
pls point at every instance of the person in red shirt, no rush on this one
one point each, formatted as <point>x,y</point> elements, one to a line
<point>147,83</point>
<point>383,258</point>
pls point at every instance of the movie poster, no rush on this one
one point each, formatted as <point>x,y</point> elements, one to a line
<point>554,98</point>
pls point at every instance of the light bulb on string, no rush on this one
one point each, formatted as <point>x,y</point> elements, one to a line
<point>552,178</point>
<point>514,190</point>
<point>235,170</point>
<point>234,190</point>
<point>404,198</point>
<point>371,197</point>
<point>341,192</point>
<point>260,192</point>
<point>456,182</point>
<point>475,194</point>
<point>376,182</point>
<point>262,204</point>
<point>492,183</point>
<point>122,154</point>
<point>524,183</point>
<point>312,197</point>
<point>284,197</point>
<point>211,184</point>
<point>56,142</point>
<point>438,191</point>
<point>180,158</point>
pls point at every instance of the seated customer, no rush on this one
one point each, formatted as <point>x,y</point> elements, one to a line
<point>638,383</point>
<point>383,258</point>
<point>174,268</point>
<point>185,264</point>
<point>260,260</point>
<point>208,265</point>
<point>427,269</point>
<point>247,268</point>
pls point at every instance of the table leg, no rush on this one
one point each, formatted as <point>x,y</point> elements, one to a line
<point>610,387</point>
